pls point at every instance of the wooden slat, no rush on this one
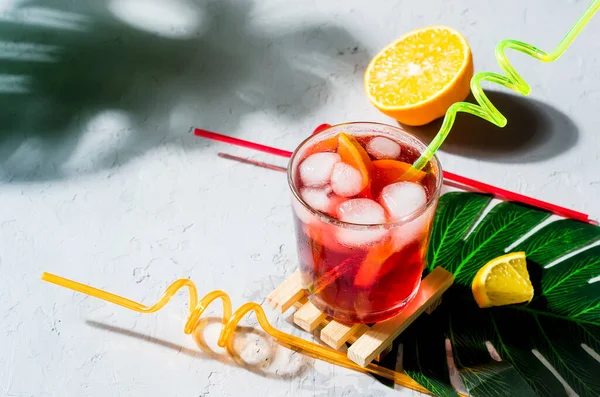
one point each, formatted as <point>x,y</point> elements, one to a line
<point>288,292</point>
<point>382,334</point>
<point>433,306</point>
<point>359,332</point>
<point>384,352</point>
<point>300,302</point>
<point>335,334</point>
<point>308,317</point>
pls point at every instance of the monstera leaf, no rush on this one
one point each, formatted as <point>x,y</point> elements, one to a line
<point>548,347</point>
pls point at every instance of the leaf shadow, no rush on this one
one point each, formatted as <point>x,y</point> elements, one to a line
<point>83,89</point>
<point>536,131</point>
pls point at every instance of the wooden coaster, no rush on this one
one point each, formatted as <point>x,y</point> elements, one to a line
<point>368,343</point>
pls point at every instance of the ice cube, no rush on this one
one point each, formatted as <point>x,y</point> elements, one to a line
<point>317,198</point>
<point>323,234</point>
<point>399,200</point>
<point>335,201</point>
<point>316,169</point>
<point>402,198</point>
<point>301,212</point>
<point>415,229</point>
<point>383,148</point>
<point>322,199</point>
<point>360,211</point>
<point>346,181</point>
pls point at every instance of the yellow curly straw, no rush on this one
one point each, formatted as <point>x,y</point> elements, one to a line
<point>230,321</point>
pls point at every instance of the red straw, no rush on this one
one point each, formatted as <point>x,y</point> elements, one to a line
<point>508,195</point>
<point>480,186</point>
<point>240,142</point>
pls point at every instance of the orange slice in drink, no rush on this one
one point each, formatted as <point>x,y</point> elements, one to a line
<point>327,145</point>
<point>353,154</point>
<point>369,269</point>
<point>416,78</point>
<point>386,172</point>
<point>395,171</point>
<point>324,145</point>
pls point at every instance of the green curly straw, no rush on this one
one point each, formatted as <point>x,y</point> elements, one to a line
<point>511,80</point>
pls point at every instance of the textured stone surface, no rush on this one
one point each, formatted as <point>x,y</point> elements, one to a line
<point>100,180</point>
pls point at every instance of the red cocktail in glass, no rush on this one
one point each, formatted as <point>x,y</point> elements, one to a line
<point>362,218</point>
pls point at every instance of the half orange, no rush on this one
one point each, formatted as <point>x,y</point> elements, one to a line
<point>416,78</point>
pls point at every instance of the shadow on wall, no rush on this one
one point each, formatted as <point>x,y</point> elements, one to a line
<point>89,84</point>
<point>535,132</point>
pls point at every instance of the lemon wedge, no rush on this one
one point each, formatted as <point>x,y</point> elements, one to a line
<point>503,281</point>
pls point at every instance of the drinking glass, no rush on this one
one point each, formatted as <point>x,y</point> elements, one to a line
<point>360,273</point>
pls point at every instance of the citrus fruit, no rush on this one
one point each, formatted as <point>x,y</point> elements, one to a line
<point>394,171</point>
<point>416,78</point>
<point>353,154</point>
<point>325,145</point>
<point>386,172</point>
<point>369,269</point>
<point>503,281</point>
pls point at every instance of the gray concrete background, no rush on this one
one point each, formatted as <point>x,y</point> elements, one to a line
<point>101,182</point>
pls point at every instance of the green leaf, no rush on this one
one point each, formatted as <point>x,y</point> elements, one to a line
<point>424,354</point>
<point>566,289</point>
<point>460,212</point>
<point>481,373</point>
<point>561,322</point>
<point>503,225</point>
<point>558,239</point>
<point>493,379</point>
<point>514,347</point>
<point>575,365</point>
